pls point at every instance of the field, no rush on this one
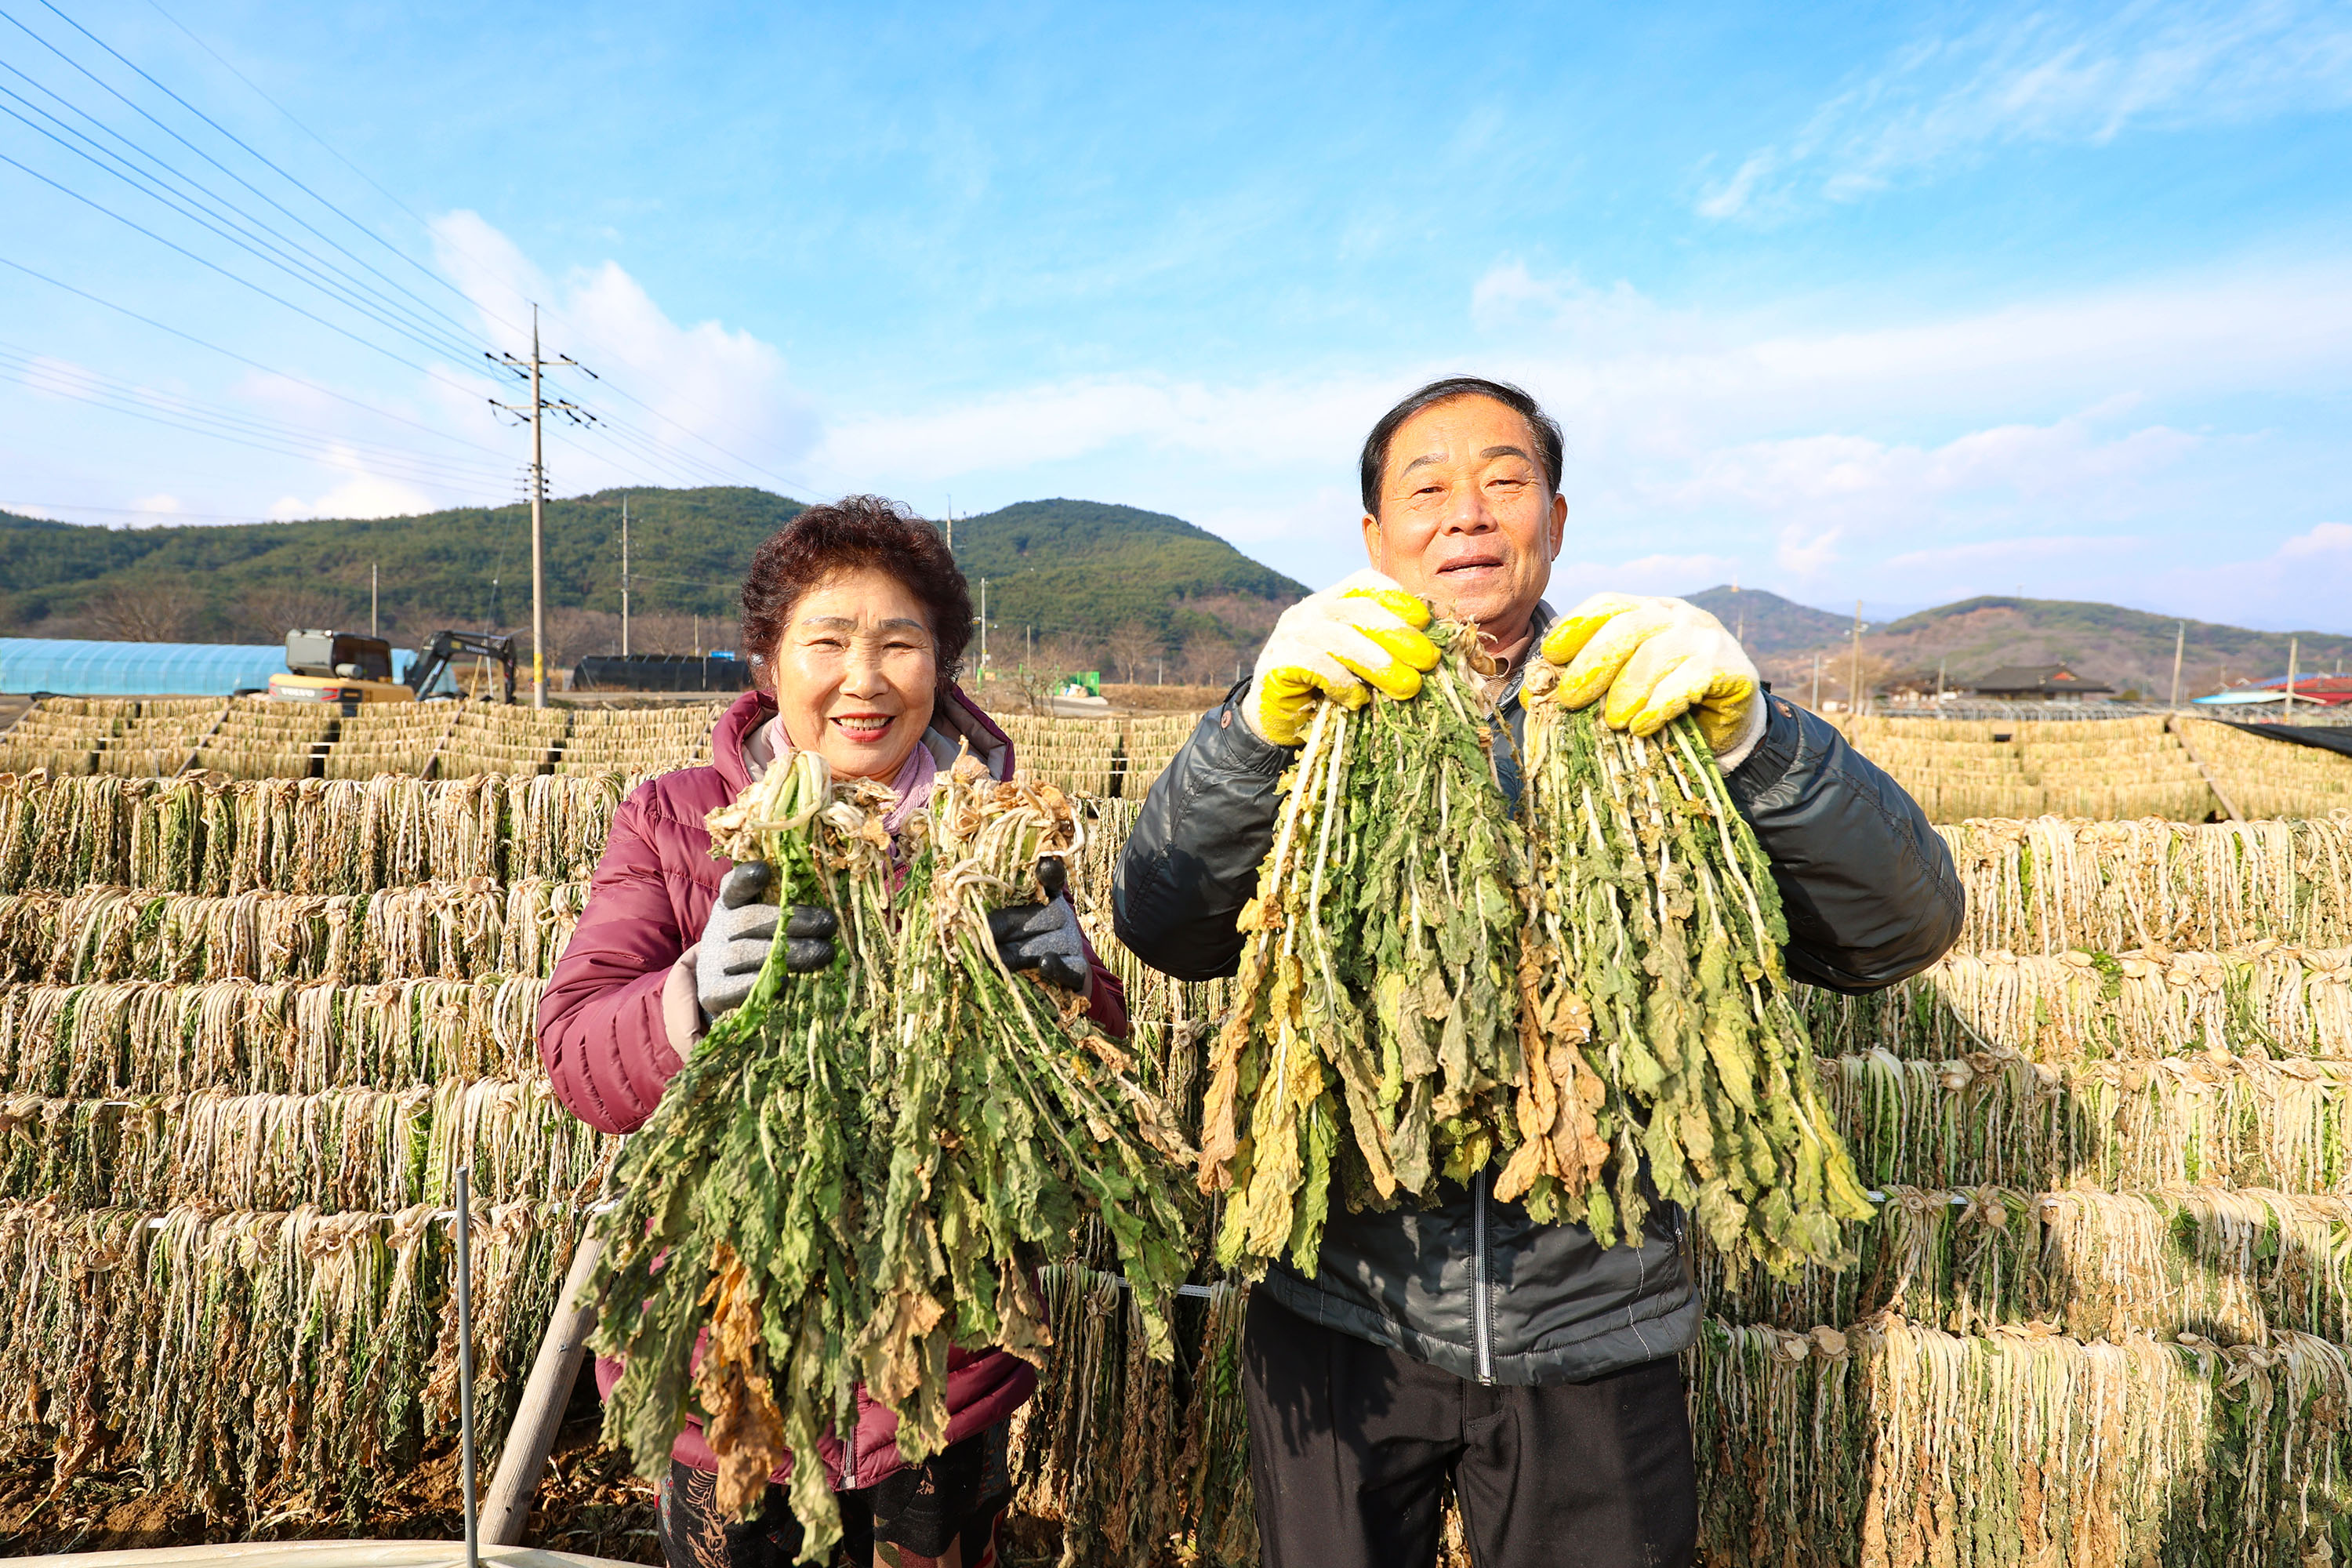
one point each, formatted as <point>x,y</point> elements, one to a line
<point>251,1024</point>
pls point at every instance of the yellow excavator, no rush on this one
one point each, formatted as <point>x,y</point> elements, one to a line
<point>350,668</point>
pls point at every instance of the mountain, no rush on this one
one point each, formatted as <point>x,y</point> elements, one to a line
<point>688,550</point>
<point>1087,573</point>
<point>1086,569</point>
<point>2130,651</point>
<point>1769,624</point>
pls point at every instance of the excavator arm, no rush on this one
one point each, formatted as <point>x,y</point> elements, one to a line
<point>433,658</point>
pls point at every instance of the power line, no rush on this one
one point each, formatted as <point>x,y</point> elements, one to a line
<point>201,261</point>
<point>241,359</point>
<point>344,292</point>
<point>94,386</point>
<point>354,168</point>
<point>428,315</point>
<point>221,130</point>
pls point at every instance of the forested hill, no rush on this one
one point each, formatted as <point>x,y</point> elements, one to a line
<point>1767,623</point>
<point>1084,568</point>
<point>1077,569</point>
<point>2130,651</point>
<point>466,567</point>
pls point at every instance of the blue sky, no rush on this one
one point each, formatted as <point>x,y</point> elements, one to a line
<point>1897,304</point>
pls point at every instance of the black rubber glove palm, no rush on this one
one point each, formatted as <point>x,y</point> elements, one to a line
<point>1044,937</point>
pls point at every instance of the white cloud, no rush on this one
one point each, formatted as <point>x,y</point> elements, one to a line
<point>681,404</point>
<point>160,505</point>
<point>2303,582</point>
<point>2040,77</point>
<point>1656,573</point>
<point>1859,482</point>
<point>362,495</point>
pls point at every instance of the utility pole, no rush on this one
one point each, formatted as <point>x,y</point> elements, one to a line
<point>950,525</point>
<point>371,598</point>
<point>536,413</point>
<point>1940,680</point>
<point>2179,646</point>
<point>1817,683</point>
<point>2294,649</point>
<point>983,634</point>
<point>624,576</point>
<point>1853,683</point>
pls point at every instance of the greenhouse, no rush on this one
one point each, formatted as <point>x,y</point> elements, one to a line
<point>73,667</point>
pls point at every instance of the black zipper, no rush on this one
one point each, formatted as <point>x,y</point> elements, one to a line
<point>1482,1328</point>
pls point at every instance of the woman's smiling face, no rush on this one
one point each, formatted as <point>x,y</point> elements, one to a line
<point>856,672</point>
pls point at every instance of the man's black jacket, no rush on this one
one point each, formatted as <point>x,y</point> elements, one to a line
<point>1473,1285</point>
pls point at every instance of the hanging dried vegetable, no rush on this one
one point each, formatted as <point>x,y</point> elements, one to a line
<point>1376,1038</point>
<point>1016,1119</point>
<point>743,1197</point>
<point>1654,956</point>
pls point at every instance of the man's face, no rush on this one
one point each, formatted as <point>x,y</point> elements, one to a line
<point>1466,520</point>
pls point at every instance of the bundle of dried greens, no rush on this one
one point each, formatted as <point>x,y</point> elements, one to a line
<point>1376,992</point>
<point>1654,956</point>
<point>1016,1119</point>
<point>743,1197</point>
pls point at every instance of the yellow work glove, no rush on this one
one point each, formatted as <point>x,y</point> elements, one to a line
<point>1655,659</point>
<point>1361,632</point>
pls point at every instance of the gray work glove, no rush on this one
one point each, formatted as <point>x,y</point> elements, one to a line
<point>736,939</point>
<point>1044,937</point>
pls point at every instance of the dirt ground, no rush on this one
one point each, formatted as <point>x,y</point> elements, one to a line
<point>588,1503</point>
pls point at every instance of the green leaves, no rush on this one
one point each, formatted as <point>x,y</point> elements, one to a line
<point>860,1171</point>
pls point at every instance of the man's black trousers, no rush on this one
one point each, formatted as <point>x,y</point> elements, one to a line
<point>1352,1444</point>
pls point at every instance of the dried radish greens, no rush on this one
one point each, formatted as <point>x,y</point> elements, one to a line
<point>1655,952</point>
<point>1377,986</point>
<point>859,1169</point>
<point>740,1197</point>
<point>1014,1125</point>
<point>1587,992</point>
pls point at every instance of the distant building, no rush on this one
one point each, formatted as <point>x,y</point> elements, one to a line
<point>2038,682</point>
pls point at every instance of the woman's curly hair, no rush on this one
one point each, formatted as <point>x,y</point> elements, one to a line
<point>853,532</point>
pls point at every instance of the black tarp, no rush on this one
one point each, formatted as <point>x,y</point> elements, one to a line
<point>2327,738</point>
<point>662,672</point>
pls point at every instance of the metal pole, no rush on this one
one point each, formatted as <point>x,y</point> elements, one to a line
<point>371,598</point>
<point>1817,683</point>
<point>983,634</point>
<point>1853,683</point>
<point>2179,646</point>
<point>537,527</point>
<point>465,1367</point>
<point>2293,651</point>
<point>624,576</point>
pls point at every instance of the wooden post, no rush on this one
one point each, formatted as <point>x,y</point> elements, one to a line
<point>505,1507</point>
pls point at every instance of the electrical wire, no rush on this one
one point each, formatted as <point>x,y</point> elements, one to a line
<point>215,125</point>
<point>433,322</point>
<point>145,185</point>
<point>90,385</point>
<point>298,444</point>
<point>337,154</point>
<point>243,360</point>
<point>201,261</point>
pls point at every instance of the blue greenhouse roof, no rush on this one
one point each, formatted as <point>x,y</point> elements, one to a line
<point>71,666</point>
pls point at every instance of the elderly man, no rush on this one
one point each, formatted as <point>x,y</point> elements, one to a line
<point>1463,1342</point>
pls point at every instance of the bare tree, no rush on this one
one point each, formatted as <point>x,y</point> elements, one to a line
<point>1134,646</point>
<point>142,613</point>
<point>1208,661</point>
<point>265,614</point>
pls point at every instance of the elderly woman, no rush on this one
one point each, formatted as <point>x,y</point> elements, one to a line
<point>855,619</point>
